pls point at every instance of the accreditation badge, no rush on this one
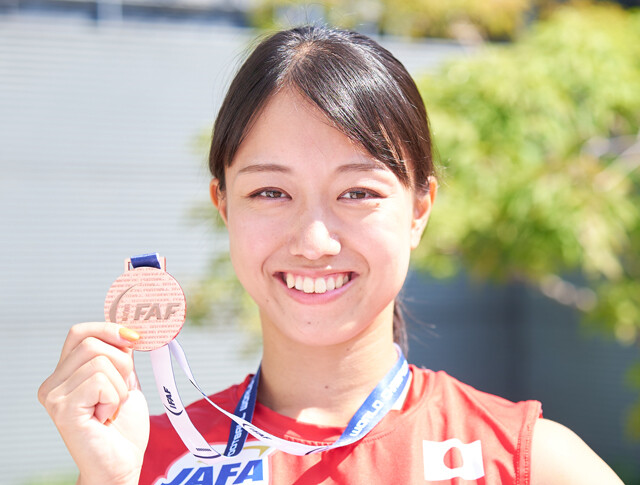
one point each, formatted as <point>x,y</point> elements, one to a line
<point>148,300</point>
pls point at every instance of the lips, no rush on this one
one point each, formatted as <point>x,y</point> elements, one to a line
<point>320,285</point>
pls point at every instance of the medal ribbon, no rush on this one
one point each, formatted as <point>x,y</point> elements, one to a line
<point>370,413</point>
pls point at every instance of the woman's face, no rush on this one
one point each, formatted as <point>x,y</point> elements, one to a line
<point>320,233</point>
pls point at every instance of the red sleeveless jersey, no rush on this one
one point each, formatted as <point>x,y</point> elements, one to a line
<point>446,433</point>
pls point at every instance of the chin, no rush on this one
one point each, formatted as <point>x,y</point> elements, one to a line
<point>318,333</point>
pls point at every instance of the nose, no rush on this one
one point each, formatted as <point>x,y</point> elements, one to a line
<point>313,240</point>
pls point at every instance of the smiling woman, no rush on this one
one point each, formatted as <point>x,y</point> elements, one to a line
<point>322,171</point>
<point>353,85</point>
<point>328,214</point>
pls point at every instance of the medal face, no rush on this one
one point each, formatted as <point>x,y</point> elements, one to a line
<point>149,301</point>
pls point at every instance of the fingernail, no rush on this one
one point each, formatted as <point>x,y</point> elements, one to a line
<point>132,382</point>
<point>115,415</point>
<point>128,334</point>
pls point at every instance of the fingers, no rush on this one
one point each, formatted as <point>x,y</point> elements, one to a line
<point>108,332</point>
<point>92,348</point>
<point>95,389</point>
<point>89,349</point>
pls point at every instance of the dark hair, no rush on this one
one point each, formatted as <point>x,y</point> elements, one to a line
<point>360,86</point>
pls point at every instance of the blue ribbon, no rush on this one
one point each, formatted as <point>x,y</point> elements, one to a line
<point>152,260</point>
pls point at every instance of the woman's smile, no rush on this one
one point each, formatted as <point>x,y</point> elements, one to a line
<point>310,284</point>
<point>310,289</point>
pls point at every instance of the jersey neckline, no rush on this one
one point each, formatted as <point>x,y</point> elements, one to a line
<point>319,435</point>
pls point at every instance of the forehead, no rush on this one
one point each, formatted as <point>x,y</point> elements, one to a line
<point>290,130</point>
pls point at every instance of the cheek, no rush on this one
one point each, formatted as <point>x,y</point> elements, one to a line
<point>244,247</point>
<point>393,254</point>
<point>388,244</point>
<point>398,237</point>
<point>247,261</point>
<point>252,240</point>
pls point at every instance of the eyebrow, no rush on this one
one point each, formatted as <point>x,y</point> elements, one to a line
<point>347,167</point>
<point>264,167</point>
<point>362,167</point>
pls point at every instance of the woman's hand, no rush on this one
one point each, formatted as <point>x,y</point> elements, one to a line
<point>94,399</point>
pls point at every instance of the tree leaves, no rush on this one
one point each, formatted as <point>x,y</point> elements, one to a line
<point>540,145</point>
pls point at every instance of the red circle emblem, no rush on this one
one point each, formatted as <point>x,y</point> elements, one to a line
<point>149,301</point>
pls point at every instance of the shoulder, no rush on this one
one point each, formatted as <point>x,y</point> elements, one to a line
<point>457,397</point>
<point>503,428</point>
<point>559,456</point>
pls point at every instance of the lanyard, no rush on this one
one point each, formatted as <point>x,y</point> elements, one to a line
<point>379,402</point>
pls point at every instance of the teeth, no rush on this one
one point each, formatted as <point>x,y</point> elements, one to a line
<point>309,285</point>
<point>291,281</point>
<point>315,285</point>
<point>320,285</point>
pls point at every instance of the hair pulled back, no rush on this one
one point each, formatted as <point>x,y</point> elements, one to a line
<point>360,87</point>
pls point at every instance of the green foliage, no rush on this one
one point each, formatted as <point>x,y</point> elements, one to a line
<point>465,19</point>
<point>524,194</point>
<point>277,14</point>
<point>493,19</point>
<point>539,177</point>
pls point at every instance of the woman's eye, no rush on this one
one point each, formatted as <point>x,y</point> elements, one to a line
<point>359,194</point>
<point>269,194</point>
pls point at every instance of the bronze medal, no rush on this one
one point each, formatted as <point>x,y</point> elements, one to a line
<point>149,301</point>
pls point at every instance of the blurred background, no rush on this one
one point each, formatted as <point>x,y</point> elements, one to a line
<point>526,284</point>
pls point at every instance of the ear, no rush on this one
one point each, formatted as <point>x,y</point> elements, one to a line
<point>218,198</point>
<point>422,204</point>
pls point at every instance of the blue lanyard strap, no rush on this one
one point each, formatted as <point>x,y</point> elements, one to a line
<point>244,409</point>
<point>375,407</point>
<point>151,260</point>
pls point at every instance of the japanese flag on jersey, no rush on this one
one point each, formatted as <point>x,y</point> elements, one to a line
<point>469,457</point>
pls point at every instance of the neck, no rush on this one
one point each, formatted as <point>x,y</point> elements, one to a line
<point>323,385</point>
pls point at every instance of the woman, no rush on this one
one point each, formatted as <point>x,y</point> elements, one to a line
<point>323,172</point>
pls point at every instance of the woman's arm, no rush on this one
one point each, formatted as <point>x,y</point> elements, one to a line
<point>560,457</point>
